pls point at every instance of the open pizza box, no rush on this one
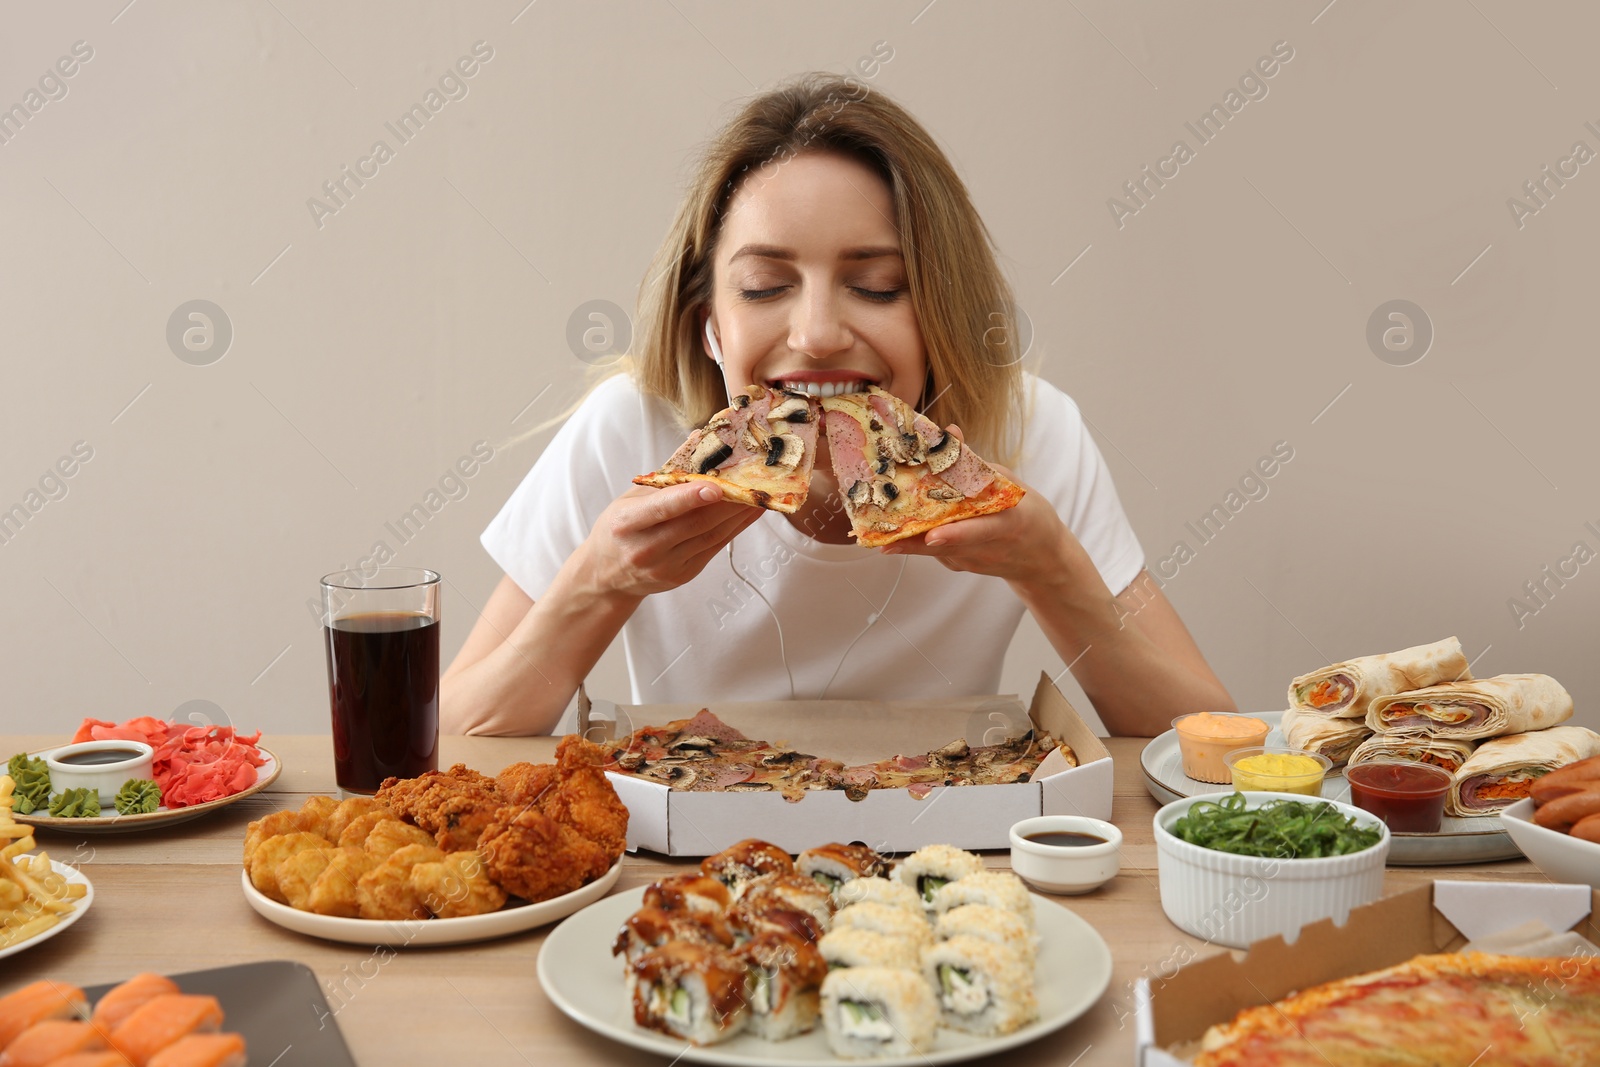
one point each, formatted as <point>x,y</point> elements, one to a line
<point>1174,1012</point>
<point>863,731</point>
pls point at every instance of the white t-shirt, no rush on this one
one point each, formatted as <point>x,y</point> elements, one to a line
<point>854,623</point>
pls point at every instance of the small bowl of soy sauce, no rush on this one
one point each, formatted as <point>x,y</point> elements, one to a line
<point>1066,854</point>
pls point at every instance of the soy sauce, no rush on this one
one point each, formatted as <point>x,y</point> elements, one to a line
<point>97,756</point>
<point>1064,839</point>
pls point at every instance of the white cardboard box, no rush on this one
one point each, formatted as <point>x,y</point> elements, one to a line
<point>1437,918</point>
<point>855,731</point>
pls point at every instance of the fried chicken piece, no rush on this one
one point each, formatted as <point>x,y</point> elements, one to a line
<point>297,874</point>
<point>347,812</point>
<point>584,798</point>
<point>336,891</point>
<point>457,885</point>
<point>392,834</point>
<point>522,784</point>
<point>386,891</point>
<point>271,852</point>
<point>453,806</point>
<point>533,856</point>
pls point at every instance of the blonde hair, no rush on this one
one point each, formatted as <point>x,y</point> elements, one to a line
<point>962,301</point>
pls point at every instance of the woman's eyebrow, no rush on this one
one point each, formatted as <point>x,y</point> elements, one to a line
<point>788,254</point>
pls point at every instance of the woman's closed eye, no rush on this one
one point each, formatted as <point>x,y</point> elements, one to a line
<point>881,296</point>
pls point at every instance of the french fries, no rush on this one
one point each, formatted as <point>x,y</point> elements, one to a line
<point>33,897</point>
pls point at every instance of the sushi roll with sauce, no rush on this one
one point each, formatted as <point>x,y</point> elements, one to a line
<point>876,1011</point>
<point>37,1002</point>
<point>790,891</point>
<point>202,1050</point>
<point>116,1004</point>
<point>650,928</point>
<point>929,869</point>
<point>998,889</point>
<point>989,924</point>
<point>784,985</point>
<point>162,1020</point>
<point>846,948</point>
<point>45,1042</point>
<point>696,992</point>
<point>879,891</point>
<point>739,865</point>
<point>696,893</point>
<point>831,866</point>
<point>750,919</point>
<point>982,987</point>
<point>888,920</point>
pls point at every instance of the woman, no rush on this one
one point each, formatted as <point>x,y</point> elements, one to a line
<point>826,242</point>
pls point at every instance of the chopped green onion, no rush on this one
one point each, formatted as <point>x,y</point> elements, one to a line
<point>1279,829</point>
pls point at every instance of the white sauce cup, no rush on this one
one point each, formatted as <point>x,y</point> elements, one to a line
<point>1068,869</point>
<point>104,778</point>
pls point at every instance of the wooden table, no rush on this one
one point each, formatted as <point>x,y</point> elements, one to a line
<point>170,901</point>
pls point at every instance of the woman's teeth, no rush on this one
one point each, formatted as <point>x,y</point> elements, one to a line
<point>823,389</point>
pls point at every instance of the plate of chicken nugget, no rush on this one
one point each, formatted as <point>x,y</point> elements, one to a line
<point>445,858</point>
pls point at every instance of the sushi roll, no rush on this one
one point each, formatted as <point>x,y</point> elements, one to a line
<point>202,1050</point>
<point>888,920</point>
<point>650,928</point>
<point>982,987</point>
<point>784,986</point>
<point>696,992</point>
<point>879,891</point>
<point>876,1011</point>
<point>37,1002</point>
<point>748,920</point>
<point>834,865</point>
<point>998,889</point>
<point>106,1058</point>
<point>989,924</point>
<point>738,865</point>
<point>928,869</point>
<point>160,1021</point>
<point>689,892</point>
<point>45,1042</point>
<point>845,947</point>
<point>790,891</point>
<point>118,1003</point>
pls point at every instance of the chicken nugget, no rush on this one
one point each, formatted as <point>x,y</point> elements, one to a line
<point>317,811</point>
<point>274,825</point>
<point>271,853</point>
<point>356,830</point>
<point>297,874</point>
<point>336,890</point>
<point>457,885</point>
<point>386,892</point>
<point>391,834</point>
<point>347,812</point>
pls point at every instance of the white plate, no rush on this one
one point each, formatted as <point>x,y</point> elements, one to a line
<point>1563,857</point>
<point>400,934</point>
<point>266,774</point>
<point>1476,840</point>
<point>73,875</point>
<point>583,979</point>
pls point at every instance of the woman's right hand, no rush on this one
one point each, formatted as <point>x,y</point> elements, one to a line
<point>651,540</point>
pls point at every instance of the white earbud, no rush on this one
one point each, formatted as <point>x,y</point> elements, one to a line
<point>711,341</point>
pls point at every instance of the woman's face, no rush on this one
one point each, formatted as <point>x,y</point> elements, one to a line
<point>809,283</point>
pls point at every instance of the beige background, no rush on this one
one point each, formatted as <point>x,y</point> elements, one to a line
<point>430,312</point>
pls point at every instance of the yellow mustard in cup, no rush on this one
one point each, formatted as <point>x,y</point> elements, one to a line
<point>1263,770</point>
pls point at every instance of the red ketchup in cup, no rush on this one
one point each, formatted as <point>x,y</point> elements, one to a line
<point>1409,797</point>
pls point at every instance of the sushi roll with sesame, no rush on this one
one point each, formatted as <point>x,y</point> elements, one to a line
<point>37,1002</point>
<point>887,920</point>
<point>697,893</point>
<point>879,891</point>
<point>982,988</point>
<point>998,889</point>
<point>161,1020</point>
<point>749,918</point>
<point>790,891</point>
<point>831,866</point>
<point>929,869</point>
<point>202,1050</point>
<point>785,984</point>
<point>843,948</point>
<point>870,1012</point>
<point>739,865</point>
<point>696,992</point>
<point>650,928</point>
<point>989,924</point>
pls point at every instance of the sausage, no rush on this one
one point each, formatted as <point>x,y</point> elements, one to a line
<point>1564,781</point>
<point>1562,812</point>
<point>1587,828</point>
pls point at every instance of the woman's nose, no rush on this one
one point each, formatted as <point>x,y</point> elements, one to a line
<point>817,329</point>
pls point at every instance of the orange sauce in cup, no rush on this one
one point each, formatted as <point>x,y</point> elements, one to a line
<point>1205,738</point>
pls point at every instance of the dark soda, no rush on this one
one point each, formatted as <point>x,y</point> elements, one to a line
<point>383,668</point>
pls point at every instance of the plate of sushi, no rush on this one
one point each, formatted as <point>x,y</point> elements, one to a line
<point>830,955</point>
<point>213,1018</point>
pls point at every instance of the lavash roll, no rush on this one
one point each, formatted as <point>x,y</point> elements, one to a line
<point>1521,758</point>
<point>1413,748</point>
<point>1486,707</point>
<point>1370,677</point>
<point>1323,734</point>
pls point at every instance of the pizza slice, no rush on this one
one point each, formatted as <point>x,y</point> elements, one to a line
<point>759,451</point>
<point>900,474</point>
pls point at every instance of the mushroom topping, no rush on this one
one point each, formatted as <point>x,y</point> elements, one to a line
<point>884,462</point>
<point>793,409</point>
<point>859,494</point>
<point>631,760</point>
<point>904,448</point>
<point>944,493</point>
<point>956,749</point>
<point>742,400</point>
<point>692,741</point>
<point>709,453</point>
<point>884,493</point>
<point>749,787</point>
<point>676,777</point>
<point>943,452</point>
<point>785,450</point>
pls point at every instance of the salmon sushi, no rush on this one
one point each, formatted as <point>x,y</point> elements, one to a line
<point>117,1004</point>
<point>202,1050</point>
<point>36,1003</point>
<point>162,1020</point>
<point>107,1058</point>
<point>45,1042</point>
